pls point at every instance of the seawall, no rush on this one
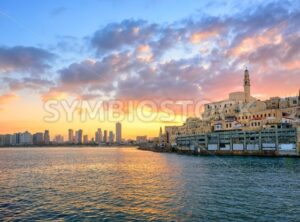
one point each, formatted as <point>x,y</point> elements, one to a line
<point>202,152</point>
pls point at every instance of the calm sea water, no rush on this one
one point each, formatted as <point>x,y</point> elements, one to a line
<point>126,184</point>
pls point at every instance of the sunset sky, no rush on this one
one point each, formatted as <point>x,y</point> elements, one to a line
<point>135,50</point>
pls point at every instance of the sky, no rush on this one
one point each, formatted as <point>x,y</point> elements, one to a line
<point>139,50</point>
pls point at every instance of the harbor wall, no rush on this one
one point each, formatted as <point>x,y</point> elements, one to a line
<point>267,142</point>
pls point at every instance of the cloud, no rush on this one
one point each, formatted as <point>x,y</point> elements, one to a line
<point>117,35</point>
<point>27,83</point>
<point>92,71</point>
<point>24,59</point>
<point>199,58</point>
<point>7,97</point>
<point>94,78</point>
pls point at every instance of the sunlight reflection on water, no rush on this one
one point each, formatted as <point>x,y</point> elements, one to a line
<point>129,184</point>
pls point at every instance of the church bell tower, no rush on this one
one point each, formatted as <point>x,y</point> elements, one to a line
<point>247,85</point>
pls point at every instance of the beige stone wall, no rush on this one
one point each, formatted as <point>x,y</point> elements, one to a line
<point>191,127</point>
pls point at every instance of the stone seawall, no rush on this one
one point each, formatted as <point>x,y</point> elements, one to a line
<point>262,153</point>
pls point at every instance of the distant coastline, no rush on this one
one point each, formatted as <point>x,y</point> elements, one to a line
<point>71,145</point>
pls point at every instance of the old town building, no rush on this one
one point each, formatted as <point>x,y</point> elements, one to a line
<point>241,112</point>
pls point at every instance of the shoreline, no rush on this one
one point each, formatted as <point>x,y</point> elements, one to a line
<point>220,152</point>
<point>68,146</point>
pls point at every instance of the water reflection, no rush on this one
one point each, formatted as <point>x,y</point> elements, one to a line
<point>128,184</point>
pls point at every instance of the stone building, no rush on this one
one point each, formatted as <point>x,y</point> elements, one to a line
<point>240,111</point>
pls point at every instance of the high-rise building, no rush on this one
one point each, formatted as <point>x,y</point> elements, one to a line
<point>2,138</point>
<point>96,137</point>
<point>47,137</point>
<point>105,136</point>
<point>38,138</point>
<point>59,139</point>
<point>85,139</point>
<point>118,133</point>
<point>100,135</point>
<point>16,139</point>
<point>26,138</point>
<point>111,137</point>
<point>70,136</point>
<point>79,136</point>
<point>7,140</point>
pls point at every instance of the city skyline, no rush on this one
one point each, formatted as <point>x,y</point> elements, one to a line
<point>77,137</point>
<point>195,51</point>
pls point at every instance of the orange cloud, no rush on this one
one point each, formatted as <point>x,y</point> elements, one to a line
<point>202,36</point>
<point>7,97</point>
<point>250,44</point>
<point>53,95</point>
<point>144,48</point>
<point>145,54</point>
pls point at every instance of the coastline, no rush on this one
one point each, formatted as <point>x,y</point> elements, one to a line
<point>264,153</point>
<point>71,145</point>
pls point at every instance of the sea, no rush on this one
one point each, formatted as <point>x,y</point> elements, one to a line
<point>128,184</point>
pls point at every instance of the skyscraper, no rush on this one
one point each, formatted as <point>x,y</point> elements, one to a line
<point>47,137</point>
<point>26,138</point>
<point>85,139</point>
<point>38,139</point>
<point>97,137</point>
<point>71,136</point>
<point>58,139</point>
<point>111,137</point>
<point>79,136</point>
<point>105,136</point>
<point>118,133</point>
<point>100,135</point>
